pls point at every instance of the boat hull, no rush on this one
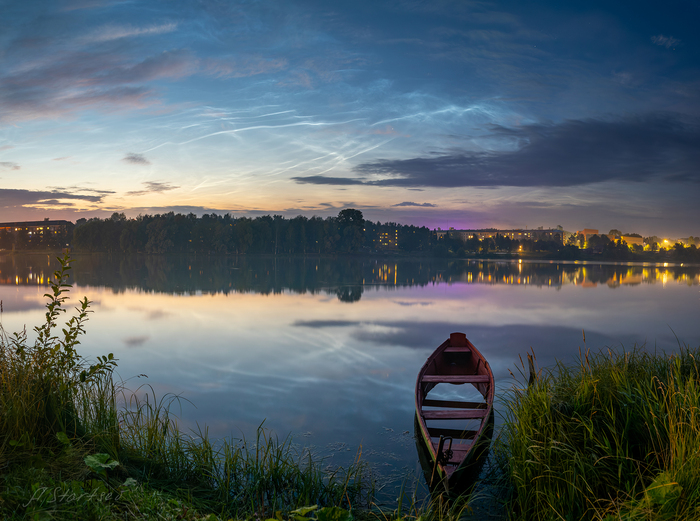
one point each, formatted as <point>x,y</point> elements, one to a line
<point>455,433</point>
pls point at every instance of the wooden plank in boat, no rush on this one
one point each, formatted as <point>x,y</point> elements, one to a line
<point>436,432</point>
<point>454,404</point>
<point>457,378</point>
<point>454,414</point>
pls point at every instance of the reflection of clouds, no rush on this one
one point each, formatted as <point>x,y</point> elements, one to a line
<point>318,324</point>
<point>408,303</point>
<point>157,314</point>
<point>136,341</point>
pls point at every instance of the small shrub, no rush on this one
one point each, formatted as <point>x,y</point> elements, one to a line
<point>44,384</point>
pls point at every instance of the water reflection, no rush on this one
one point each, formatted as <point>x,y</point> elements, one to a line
<point>347,278</point>
<point>329,349</point>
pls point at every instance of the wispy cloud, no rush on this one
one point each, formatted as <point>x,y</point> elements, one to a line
<point>154,187</point>
<point>9,165</point>
<point>136,159</point>
<point>665,41</point>
<point>115,32</point>
<point>70,80</point>
<point>243,66</point>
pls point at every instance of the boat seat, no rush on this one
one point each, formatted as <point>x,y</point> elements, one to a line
<point>436,432</point>
<point>454,414</point>
<point>454,404</point>
<point>457,378</point>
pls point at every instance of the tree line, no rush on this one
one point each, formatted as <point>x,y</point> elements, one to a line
<point>348,232</point>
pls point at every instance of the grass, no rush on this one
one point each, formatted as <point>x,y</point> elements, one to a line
<point>614,437</point>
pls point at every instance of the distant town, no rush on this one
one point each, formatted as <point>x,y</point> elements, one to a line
<point>348,232</point>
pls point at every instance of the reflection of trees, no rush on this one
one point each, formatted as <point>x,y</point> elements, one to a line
<point>349,293</point>
<point>345,277</point>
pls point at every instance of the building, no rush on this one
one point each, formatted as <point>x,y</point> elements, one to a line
<point>388,240</point>
<point>587,232</point>
<point>631,241</point>
<point>539,234</point>
<point>30,234</point>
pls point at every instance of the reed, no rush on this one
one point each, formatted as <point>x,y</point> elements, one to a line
<point>615,436</point>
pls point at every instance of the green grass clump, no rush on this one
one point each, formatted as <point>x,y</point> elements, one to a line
<point>615,437</point>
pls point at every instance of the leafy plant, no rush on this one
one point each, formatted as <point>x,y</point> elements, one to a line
<point>100,463</point>
<point>45,385</point>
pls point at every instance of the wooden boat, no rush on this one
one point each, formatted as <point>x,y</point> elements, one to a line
<point>455,432</point>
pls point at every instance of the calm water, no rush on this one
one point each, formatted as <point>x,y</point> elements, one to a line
<point>329,349</point>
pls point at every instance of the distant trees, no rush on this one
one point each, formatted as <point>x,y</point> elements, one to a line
<point>681,253</point>
<point>598,243</point>
<point>211,233</point>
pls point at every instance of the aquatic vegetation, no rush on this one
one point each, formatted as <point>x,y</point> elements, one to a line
<point>615,437</point>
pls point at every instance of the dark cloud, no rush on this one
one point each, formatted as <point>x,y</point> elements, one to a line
<point>56,202</point>
<point>197,210</point>
<point>571,153</point>
<point>81,189</point>
<point>136,159</point>
<point>9,165</point>
<point>154,186</point>
<point>13,198</point>
<point>409,203</point>
<point>321,180</point>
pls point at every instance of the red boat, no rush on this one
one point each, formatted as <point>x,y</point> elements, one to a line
<point>456,431</point>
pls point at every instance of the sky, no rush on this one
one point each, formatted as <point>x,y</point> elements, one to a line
<point>464,114</point>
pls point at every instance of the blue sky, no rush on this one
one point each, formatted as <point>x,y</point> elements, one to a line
<point>441,113</point>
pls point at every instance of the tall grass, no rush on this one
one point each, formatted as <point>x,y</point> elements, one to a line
<point>237,477</point>
<point>56,409</point>
<point>616,436</point>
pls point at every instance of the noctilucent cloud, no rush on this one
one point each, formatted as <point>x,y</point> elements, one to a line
<point>439,113</point>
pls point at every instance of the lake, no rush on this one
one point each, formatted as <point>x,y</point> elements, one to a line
<point>328,349</point>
